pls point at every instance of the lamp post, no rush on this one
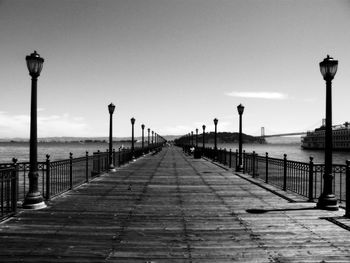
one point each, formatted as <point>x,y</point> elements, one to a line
<point>327,199</point>
<point>132,138</point>
<point>196,138</point>
<point>152,138</point>
<point>240,109</point>
<point>148,142</point>
<point>215,140</point>
<point>34,199</point>
<point>203,136</point>
<point>111,108</point>
<point>143,138</point>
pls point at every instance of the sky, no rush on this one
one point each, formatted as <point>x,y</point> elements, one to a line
<point>173,65</point>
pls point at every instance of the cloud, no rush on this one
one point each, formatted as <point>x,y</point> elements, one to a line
<point>259,95</point>
<point>48,126</point>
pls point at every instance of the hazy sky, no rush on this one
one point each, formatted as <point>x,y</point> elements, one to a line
<point>172,64</point>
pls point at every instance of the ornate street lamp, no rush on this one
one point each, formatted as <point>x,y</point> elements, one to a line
<point>34,199</point>
<point>132,138</point>
<point>203,136</point>
<point>143,138</point>
<point>196,138</point>
<point>111,108</point>
<point>327,199</point>
<point>240,109</point>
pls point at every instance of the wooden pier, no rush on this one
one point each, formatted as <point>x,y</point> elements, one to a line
<point>169,207</point>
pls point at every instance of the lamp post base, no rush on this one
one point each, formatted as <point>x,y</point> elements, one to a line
<point>111,169</point>
<point>33,201</point>
<point>328,202</point>
<point>239,168</point>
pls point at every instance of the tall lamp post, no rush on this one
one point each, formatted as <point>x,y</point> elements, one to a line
<point>240,109</point>
<point>327,199</point>
<point>215,139</point>
<point>148,130</point>
<point>152,138</point>
<point>203,136</point>
<point>143,138</point>
<point>132,138</point>
<point>34,199</point>
<point>111,108</point>
<point>196,138</point>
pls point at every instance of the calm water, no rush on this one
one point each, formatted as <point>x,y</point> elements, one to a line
<point>293,150</point>
<point>57,151</point>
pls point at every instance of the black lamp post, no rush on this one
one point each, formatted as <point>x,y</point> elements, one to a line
<point>34,199</point>
<point>148,130</point>
<point>215,139</point>
<point>240,109</point>
<point>192,140</point>
<point>203,136</point>
<point>196,138</point>
<point>132,138</point>
<point>143,138</point>
<point>327,199</point>
<point>111,108</point>
<point>152,138</point>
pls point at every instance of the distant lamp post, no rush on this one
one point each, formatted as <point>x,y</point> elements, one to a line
<point>111,108</point>
<point>203,136</point>
<point>215,140</point>
<point>148,142</point>
<point>132,139</point>
<point>152,138</point>
<point>143,138</point>
<point>192,139</point>
<point>240,109</point>
<point>196,138</point>
<point>34,199</point>
<point>327,199</point>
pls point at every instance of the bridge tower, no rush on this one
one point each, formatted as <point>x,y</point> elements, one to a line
<point>262,137</point>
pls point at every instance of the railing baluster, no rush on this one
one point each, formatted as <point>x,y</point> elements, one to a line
<point>311,180</point>
<point>266,168</point>
<point>48,179</point>
<point>70,171</point>
<point>347,190</point>
<point>285,172</point>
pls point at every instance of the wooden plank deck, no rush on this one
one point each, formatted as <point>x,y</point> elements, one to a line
<point>173,208</point>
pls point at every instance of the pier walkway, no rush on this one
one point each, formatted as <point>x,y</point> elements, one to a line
<point>170,207</point>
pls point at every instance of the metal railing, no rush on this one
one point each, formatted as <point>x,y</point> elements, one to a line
<point>8,190</point>
<point>57,177</point>
<point>303,178</point>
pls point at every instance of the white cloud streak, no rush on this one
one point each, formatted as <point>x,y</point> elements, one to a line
<point>259,95</point>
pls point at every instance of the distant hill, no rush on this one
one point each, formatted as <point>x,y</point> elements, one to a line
<point>83,139</point>
<point>222,137</point>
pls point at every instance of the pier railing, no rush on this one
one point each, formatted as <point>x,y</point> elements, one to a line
<point>303,178</point>
<point>8,190</point>
<point>57,177</point>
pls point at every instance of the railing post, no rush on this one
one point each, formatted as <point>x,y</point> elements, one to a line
<point>14,186</point>
<point>225,156</point>
<point>98,162</point>
<point>87,166</point>
<point>284,172</point>
<point>114,157</point>
<point>311,180</point>
<point>347,209</point>
<point>244,162</point>
<point>70,171</point>
<point>267,168</point>
<point>236,159</point>
<point>119,152</point>
<point>230,162</point>
<point>253,163</point>
<point>48,177</point>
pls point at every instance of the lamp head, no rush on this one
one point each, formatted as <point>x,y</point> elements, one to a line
<point>328,68</point>
<point>216,121</point>
<point>111,108</point>
<point>240,109</point>
<point>34,64</point>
